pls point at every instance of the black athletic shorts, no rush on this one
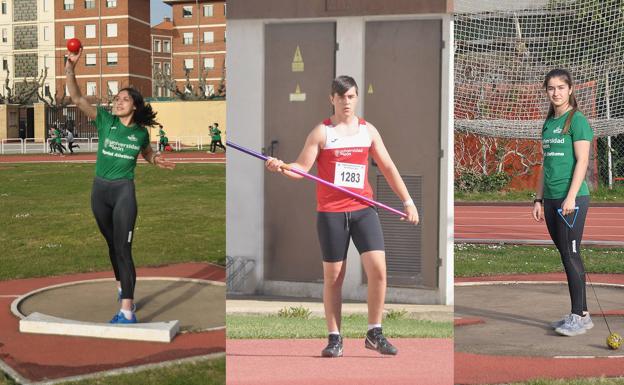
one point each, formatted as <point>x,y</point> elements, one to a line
<point>336,229</point>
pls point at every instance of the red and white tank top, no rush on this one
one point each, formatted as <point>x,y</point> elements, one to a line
<point>343,161</point>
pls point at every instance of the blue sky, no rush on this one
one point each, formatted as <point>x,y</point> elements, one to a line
<point>158,10</point>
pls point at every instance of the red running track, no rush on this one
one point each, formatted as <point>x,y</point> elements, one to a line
<point>176,157</point>
<point>604,225</point>
<point>298,362</point>
<point>38,357</point>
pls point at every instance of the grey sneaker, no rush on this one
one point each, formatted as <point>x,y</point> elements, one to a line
<point>559,323</point>
<point>375,340</point>
<point>334,346</point>
<point>573,326</point>
<point>586,320</point>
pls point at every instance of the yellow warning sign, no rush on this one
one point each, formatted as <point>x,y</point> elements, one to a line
<point>370,89</point>
<point>298,96</point>
<point>297,63</point>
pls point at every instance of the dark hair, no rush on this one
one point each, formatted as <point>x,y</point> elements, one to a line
<point>342,84</point>
<point>567,77</point>
<point>144,116</point>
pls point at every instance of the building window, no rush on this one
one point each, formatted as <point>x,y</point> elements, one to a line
<point>111,58</point>
<point>46,33</point>
<point>224,36</point>
<point>156,45</point>
<point>111,30</point>
<point>188,64</point>
<point>68,4</point>
<point>208,10</point>
<point>166,46</point>
<point>4,7</point>
<point>209,90</point>
<point>5,64</point>
<point>188,38</point>
<point>47,90</point>
<point>45,61</point>
<point>111,3</point>
<point>89,4</point>
<point>90,59</point>
<point>167,68</point>
<point>90,31</point>
<point>46,5</point>
<point>209,63</point>
<point>224,9</point>
<point>157,66</point>
<point>69,32</point>
<point>113,87</point>
<point>208,37</point>
<point>91,89</point>
<point>187,11</point>
<point>4,35</point>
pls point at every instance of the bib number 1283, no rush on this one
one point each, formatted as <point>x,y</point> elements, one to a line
<point>350,175</point>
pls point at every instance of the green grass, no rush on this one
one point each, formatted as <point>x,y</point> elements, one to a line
<point>48,228</point>
<point>579,381</point>
<point>353,326</point>
<point>601,194</point>
<point>496,196</point>
<point>198,373</point>
<point>481,260</point>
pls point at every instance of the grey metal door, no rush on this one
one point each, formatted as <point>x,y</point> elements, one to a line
<point>402,99</point>
<point>299,68</point>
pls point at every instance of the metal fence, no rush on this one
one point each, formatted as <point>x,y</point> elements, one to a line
<point>42,145</point>
<point>71,118</point>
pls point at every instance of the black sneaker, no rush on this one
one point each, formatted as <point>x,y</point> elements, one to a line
<point>375,340</point>
<point>334,346</point>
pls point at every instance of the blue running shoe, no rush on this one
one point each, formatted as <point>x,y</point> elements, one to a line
<point>119,318</point>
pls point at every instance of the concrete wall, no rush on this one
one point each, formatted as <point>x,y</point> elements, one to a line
<point>245,176</point>
<point>40,130</point>
<point>189,120</point>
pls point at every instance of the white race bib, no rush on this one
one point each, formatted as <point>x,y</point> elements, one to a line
<point>350,175</point>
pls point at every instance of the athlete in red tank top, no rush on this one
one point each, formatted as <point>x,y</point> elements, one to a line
<point>343,160</point>
<point>340,146</point>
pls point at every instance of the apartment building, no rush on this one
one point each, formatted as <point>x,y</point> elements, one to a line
<point>111,33</point>
<point>162,53</point>
<point>27,41</point>
<point>198,42</point>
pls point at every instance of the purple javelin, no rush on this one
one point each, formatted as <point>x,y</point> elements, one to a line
<point>319,180</point>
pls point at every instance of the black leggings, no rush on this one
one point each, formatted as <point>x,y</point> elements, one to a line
<point>115,210</point>
<point>568,242</point>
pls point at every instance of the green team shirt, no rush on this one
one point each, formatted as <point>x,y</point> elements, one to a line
<point>57,136</point>
<point>216,134</point>
<point>559,160</point>
<point>118,146</point>
<point>161,133</point>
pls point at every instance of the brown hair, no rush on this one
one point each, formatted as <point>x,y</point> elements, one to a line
<point>342,84</point>
<point>567,77</point>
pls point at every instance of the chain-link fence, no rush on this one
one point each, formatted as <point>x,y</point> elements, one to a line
<point>503,49</point>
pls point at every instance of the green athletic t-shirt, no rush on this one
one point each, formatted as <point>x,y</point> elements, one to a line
<point>57,136</point>
<point>161,133</point>
<point>559,160</point>
<point>216,134</point>
<point>118,146</point>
